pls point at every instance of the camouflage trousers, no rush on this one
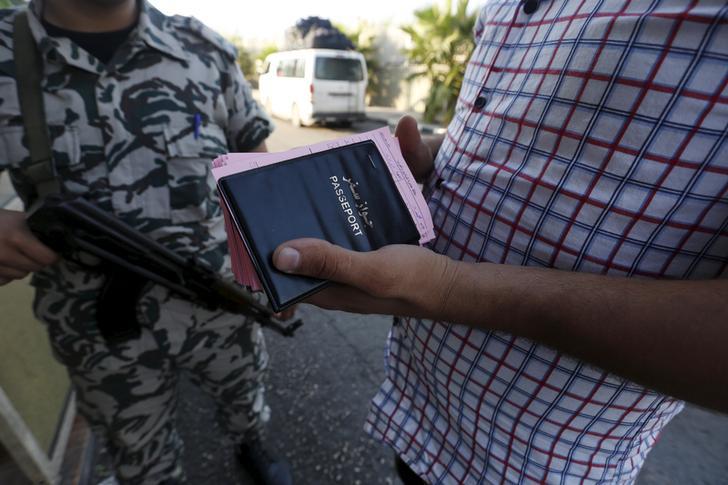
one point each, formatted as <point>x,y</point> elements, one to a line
<point>127,391</point>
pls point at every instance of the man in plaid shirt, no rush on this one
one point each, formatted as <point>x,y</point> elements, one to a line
<point>590,138</point>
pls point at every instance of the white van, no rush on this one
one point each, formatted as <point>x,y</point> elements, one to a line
<point>314,85</point>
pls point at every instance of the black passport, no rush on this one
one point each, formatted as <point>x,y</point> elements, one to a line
<point>345,195</point>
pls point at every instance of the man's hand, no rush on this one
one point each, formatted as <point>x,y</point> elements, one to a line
<point>667,335</point>
<point>394,280</point>
<point>20,251</point>
<point>418,152</point>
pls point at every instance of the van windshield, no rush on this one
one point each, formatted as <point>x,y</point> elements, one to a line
<point>339,69</point>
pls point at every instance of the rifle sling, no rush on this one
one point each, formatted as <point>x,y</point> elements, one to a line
<point>28,74</point>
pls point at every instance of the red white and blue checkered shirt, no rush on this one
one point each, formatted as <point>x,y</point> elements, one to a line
<point>589,136</point>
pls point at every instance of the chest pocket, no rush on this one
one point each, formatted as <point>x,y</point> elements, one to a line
<point>192,190</point>
<point>16,158</point>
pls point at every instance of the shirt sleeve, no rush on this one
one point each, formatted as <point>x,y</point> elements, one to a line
<point>248,125</point>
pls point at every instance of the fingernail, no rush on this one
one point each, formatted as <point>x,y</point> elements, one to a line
<point>288,259</point>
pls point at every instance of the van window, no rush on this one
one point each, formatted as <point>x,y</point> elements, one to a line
<point>337,68</point>
<point>289,67</point>
<point>300,67</point>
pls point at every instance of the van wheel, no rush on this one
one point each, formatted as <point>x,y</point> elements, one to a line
<point>295,116</point>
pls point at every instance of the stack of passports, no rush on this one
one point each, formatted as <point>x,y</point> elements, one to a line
<point>346,195</point>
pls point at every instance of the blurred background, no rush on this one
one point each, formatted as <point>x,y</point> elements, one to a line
<point>415,50</point>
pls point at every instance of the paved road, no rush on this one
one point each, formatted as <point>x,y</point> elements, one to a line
<point>321,382</point>
<point>287,136</point>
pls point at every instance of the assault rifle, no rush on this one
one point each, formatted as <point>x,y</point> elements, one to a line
<point>130,260</point>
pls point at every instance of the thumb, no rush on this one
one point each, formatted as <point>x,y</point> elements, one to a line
<point>416,153</point>
<point>319,259</point>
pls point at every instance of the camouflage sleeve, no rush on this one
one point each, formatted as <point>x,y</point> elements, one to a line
<point>248,125</point>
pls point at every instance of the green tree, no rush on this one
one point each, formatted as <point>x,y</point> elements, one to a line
<point>266,51</point>
<point>245,59</point>
<point>11,3</point>
<point>441,46</point>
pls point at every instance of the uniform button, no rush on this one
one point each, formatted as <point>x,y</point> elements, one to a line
<point>480,102</point>
<point>530,6</point>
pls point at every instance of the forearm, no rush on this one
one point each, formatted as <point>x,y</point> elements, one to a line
<point>666,335</point>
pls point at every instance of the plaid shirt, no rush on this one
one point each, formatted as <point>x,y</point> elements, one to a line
<point>589,136</point>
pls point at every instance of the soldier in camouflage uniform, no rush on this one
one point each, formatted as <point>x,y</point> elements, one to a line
<point>136,135</point>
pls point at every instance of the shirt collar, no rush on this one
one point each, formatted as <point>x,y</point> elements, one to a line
<point>154,32</point>
<point>151,31</point>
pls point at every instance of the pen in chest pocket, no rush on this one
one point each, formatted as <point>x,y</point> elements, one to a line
<point>197,123</point>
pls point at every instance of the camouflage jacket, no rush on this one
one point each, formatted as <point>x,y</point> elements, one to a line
<point>123,134</point>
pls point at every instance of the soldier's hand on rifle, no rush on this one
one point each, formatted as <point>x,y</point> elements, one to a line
<point>20,251</point>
